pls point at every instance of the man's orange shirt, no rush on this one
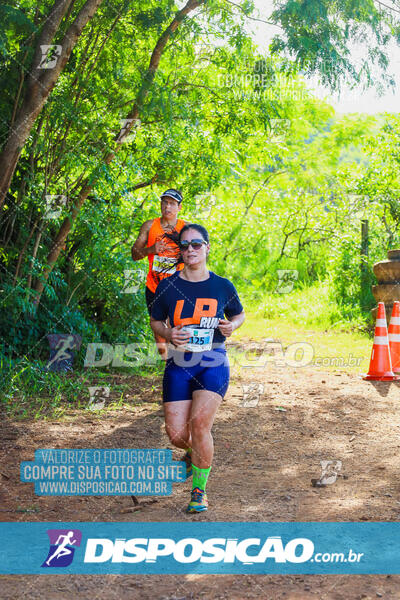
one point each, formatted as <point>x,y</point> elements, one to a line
<point>159,262</point>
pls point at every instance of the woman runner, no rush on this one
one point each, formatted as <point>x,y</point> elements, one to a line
<point>196,375</point>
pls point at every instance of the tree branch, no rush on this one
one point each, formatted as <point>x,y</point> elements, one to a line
<point>252,18</point>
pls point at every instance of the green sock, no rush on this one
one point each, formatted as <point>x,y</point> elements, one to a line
<point>200,477</point>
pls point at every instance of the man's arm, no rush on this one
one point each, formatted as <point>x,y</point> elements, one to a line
<point>139,248</point>
<point>160,329</point>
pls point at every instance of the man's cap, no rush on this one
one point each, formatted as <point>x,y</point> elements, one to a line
<point>173,194</point>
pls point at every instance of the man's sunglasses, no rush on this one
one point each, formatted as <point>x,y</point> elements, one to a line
<point>196,244</point>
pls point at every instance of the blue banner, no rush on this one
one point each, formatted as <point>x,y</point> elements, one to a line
<point>103,472</point>
<point>187,547</point>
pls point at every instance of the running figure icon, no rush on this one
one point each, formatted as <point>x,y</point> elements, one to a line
<point>62,346</point>
<point>62,549</point>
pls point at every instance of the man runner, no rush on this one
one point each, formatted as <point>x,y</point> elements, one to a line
<point>156,241</point>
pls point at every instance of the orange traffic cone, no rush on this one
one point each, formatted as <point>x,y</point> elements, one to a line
<point>394,337</point>
<point>380,366</point>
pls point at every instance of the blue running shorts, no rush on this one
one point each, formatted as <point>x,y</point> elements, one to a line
<point>186,372</point>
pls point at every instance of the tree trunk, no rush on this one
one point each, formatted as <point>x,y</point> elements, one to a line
<point>22,252</point>
<point>40,83</point>
<point>34,255</point>
<point>131,118</point>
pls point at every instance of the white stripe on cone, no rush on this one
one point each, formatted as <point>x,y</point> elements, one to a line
<point>381,340</point>
<point>394,337</point>
<point>381,323</point>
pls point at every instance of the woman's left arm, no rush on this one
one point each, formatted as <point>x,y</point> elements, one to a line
<point>227,327</point>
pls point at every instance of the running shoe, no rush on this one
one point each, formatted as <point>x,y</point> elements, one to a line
<point>199,501</point>
<point>188,460</point>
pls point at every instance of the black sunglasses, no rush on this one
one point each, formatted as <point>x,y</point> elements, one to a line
<point>196,244</point>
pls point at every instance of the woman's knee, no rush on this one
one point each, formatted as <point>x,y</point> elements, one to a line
<point>200,426</point>
<point>178,437</point>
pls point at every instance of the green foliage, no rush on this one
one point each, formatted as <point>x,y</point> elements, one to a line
<point>347,291</point>
<point>23,332</point>
<point>314,36</point>
<point>380,183</point>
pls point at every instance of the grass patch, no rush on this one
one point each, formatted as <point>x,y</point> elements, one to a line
<point>308,317</point>
<point>312,307</point>
<point>29,391</point>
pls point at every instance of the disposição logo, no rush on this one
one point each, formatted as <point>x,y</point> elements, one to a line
<point>62,550</point>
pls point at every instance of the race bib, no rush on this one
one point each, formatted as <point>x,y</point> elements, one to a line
<point>161,264</point>
<point>200,340</point>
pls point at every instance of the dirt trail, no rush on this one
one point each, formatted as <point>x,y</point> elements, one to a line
<point>265,458</point>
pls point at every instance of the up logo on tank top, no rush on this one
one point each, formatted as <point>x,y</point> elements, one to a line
<point>200,326</point>
<point>204,313</point>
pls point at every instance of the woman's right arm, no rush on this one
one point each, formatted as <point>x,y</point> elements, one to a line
<point>175,335</point>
